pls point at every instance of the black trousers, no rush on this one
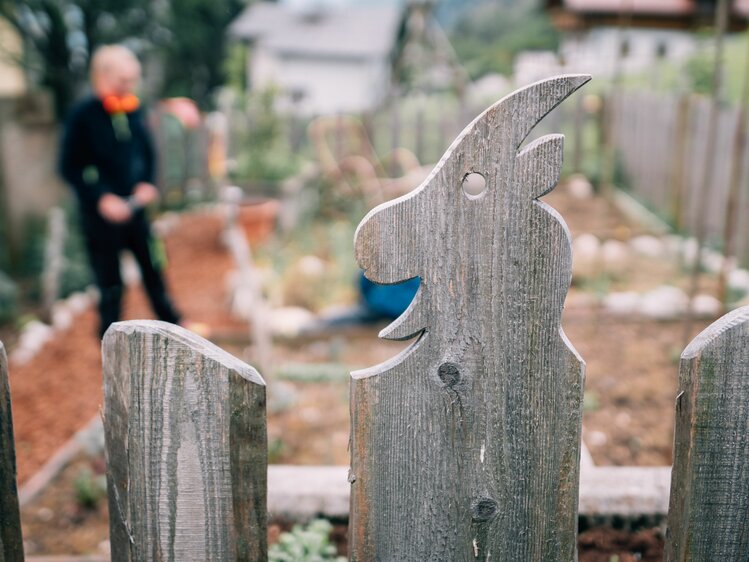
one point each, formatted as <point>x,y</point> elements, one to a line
<point>105,242</point>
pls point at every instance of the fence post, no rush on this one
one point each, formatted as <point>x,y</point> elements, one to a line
<point>710,477</point>
<point>11,542</point>
<point>466,446</point>
<point>186,448</point>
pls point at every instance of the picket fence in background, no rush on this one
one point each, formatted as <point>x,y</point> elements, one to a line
<point>466,446</point>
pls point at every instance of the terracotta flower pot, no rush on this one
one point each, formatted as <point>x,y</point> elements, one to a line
<point>257,217</point>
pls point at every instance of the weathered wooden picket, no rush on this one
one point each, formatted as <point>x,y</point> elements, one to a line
<point>11,544</point>
<point>466,446</point>
<point>186,447</point>
<point>480,419</point>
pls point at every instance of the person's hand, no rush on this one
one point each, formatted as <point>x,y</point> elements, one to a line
<point>145,193</point>
<point>114,208</point>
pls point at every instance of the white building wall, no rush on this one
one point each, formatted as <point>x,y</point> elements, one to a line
<point>12,80</point>
<point>596,53</point>
<point>323,85</point>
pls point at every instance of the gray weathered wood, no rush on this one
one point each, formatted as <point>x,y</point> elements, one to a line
<point>186,448</point>
<point>54,258</point>
<point>466,446</point>
<point>11,543</point>
<point>709,506</point>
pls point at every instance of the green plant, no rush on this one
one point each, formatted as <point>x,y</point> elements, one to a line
<point>305,544</point>
<point>76,274</point>
<point>488,36</point>
<point>8,298</point>
<point>699,72</point>
<point>276,450</point>
<point>266,155</point>
<point>591,401</point>
<point>89,488</point>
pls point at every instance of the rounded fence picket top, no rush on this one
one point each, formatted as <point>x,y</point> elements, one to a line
<point>186,448</point>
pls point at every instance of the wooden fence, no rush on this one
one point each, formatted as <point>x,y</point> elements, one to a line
<point>661,142</point>
<point>466,446</point>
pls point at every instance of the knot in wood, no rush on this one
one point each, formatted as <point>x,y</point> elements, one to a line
<point>449,374</point>
<point>484,509</point>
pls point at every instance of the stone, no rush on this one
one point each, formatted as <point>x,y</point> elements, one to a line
<point>738,280</point>
<point>624,303</point>
<point>688,251</point>
<point>672,244</point>
<point>78,302</point>
<point>586,250</point>
<point>290,321</point>
<point>615,256</point>
<point>664,303</point>
<point>712,261</point>
<point>649,246</point>
<point>596,438</point>
<point>706,306</point>
<point>579,187</point>
<point>166,223</point>
<point>35,334</point>
<point>62,317</point>
<point>311,266</point>
<point>129,269</point>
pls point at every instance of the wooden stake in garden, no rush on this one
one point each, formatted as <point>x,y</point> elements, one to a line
<point>738,163</point>
<point>710,479</point>
<point>186,448</point>
<point>466,446</point>
<point>11,542</point>
<point>703,195</point>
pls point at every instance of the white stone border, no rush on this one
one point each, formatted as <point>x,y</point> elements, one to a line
<point>300,492</point>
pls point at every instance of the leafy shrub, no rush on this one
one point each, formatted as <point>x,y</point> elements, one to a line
<point>76,274</point>
<point>266,154</point>
<point>89,488</point>
<point>8,298</point>
<point>305,544</point>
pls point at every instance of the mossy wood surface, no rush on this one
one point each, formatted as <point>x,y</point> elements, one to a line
<point>709,509</point>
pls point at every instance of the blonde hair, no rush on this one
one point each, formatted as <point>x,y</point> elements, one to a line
<point>108,57</point>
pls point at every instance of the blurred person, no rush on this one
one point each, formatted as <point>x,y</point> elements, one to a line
<point>107,157</point>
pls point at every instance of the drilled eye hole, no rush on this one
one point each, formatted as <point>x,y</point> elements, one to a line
<point>474,184</point>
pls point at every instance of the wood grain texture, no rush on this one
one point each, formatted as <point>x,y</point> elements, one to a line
<point>466,446</point>
<point>186,448</point>
<point>11,541</point>
<point>709,506</point>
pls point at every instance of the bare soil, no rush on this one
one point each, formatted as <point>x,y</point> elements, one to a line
<point>59,390</point>
<point>604,544</point>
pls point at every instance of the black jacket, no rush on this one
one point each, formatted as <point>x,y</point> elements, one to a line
<point>101,153</point>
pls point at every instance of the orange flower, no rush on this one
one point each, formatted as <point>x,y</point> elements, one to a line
<point>124,104</point>
<point>129,103</point>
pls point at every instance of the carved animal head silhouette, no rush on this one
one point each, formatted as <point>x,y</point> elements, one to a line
<point>471,251</point>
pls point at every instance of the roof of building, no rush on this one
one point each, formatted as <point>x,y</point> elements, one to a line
<point>642,13</point>
<point>345,31</point>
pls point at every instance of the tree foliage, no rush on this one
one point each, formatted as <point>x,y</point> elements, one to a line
<point>488,36</point>
<point>186,38</point>
<point>59,35</point>
<point>194,54</point>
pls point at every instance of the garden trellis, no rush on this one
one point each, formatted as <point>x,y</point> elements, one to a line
<point>466,446</point>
